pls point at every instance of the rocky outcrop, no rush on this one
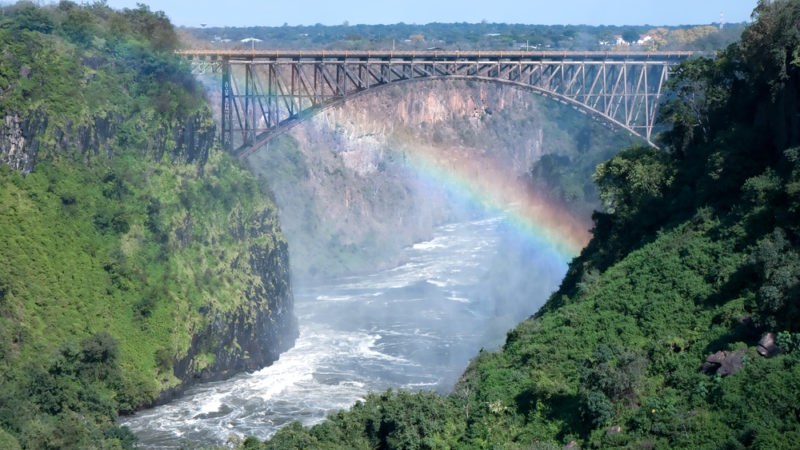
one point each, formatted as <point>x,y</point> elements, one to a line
<point>187,140</point>
<point>767,346</point>
<point>713,363</point>
<point>18,143</point>
<point>256,333</point>
<point>25,140</point>
<point>727,363</point>
<point>724,363</point>
<point>732,362</point>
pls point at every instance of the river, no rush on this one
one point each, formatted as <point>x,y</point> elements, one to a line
<point>415,326</point>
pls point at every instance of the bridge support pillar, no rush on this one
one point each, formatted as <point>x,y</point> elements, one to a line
<point>227,108</point>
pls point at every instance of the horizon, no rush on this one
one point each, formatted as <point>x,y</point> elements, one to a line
<point>250,13</point>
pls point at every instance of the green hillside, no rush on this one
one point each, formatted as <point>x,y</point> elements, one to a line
<point>695,253</point>
<point>128,242</point>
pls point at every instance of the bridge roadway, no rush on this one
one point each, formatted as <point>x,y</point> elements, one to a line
<point>283,87</point>
<point>436,55</point>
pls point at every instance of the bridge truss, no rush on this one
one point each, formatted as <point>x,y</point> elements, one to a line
<point>267,92</point>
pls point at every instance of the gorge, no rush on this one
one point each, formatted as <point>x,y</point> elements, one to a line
<point>168,266</point>
<point>374,257</point>
<point>389,311</point>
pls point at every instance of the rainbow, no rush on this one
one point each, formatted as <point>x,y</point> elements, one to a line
<point>481,181</point>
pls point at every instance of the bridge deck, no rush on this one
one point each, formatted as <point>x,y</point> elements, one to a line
<point>443,55</point>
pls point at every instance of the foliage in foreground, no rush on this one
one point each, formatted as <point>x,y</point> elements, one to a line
<point>696,252</point>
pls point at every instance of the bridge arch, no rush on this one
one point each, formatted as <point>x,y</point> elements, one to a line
<point>281,89</point>
<point>287,124</point>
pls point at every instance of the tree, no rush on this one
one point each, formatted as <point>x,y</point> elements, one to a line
<point>633,178</point>
<point>778,269</point>
<point>630,35</point>
<point>154,27</point>
<point>28,16</point>
<point>79,26</point>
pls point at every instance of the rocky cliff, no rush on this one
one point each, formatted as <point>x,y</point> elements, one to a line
<point>24,140</point>
<point>248,336</point>
<point>136,257</point>
<point>350,198</point>
<point>253,334</point>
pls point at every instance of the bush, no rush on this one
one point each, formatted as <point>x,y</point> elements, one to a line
<point>8,441</point>
<point>609,376</point>
<point>778,271</point>
<point>79,26</point>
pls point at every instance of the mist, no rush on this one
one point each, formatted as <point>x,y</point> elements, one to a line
<point>417,237</point>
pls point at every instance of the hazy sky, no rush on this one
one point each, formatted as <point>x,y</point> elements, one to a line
<point>335,12</point>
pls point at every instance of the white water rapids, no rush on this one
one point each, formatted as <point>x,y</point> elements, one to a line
<point>412,327</point>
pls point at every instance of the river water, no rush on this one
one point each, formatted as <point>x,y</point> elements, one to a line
<point>412,327</point>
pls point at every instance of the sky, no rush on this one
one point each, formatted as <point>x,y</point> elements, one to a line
<point>548,12</point>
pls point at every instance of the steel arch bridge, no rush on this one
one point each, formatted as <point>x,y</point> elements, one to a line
<point>267,92</point>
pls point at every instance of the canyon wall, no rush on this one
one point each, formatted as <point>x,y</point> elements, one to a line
<point>350,195</point>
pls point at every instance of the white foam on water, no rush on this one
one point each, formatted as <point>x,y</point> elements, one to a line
<point>429,245</point>
<point>335,298</point>
<point>357,335</point>
<point>211,404</point>
<point>454,298</point>
<point>438,282</point>
<point>421,385</point>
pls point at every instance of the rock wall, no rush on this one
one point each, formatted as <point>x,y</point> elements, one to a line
<point>24,140</point>
<point>253,335</point>
<point>348,199</point>
<point>18,143</point>
<point>469,117</point>
<point>248,337</point>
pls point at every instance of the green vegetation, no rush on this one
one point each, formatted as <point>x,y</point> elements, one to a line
<point>575,148</point>
<point>130,235</point>
<point>695,253</point>
<point>472,36</point>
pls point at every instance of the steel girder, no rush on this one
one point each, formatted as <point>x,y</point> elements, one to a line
<point>263,97</point>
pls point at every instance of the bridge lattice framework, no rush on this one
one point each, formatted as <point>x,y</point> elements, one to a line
<point>267,92</point>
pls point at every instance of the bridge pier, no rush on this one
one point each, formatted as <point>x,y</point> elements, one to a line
<point>226,132</point>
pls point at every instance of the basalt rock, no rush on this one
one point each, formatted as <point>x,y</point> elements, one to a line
<point>18,143</point>
<point>732,362</point>
<point>25,140</point>
<point>713,362</point>
<point>767,347</point>
<point>252,336</point>
<point>723,363</point>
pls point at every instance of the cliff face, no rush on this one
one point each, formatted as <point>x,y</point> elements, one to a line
<point>349,194</point>
<point>189,268</point>
<point>256,332</point>
<point>23,140</point>
<point>252,321</point>
<point>18,146</point>
<point>135,256</point>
